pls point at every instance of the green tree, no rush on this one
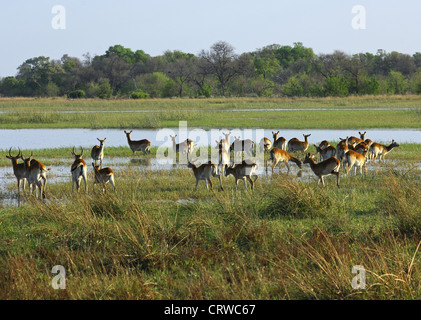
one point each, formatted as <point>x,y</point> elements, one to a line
<point>337,86</point>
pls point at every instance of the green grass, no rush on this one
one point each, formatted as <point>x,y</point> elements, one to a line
<point>212,113</point>
<point>285,240</point>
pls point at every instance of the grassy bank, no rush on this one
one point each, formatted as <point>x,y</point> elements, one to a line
<point>285,240</point>
<point>327,113</point>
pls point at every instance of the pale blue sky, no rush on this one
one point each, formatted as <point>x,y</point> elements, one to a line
<point>192,25</point>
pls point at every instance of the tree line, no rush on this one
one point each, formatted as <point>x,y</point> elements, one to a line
<point>274,70</point>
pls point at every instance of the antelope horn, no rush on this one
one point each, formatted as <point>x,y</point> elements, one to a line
<point>73,151</point>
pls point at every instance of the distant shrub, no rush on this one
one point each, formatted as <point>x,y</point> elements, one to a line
<point>76,94</point>
<point>139,94</point>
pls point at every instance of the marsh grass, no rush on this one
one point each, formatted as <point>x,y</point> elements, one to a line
<point>287,239</point>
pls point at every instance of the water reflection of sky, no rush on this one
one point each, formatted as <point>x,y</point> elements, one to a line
<point>56,138</point>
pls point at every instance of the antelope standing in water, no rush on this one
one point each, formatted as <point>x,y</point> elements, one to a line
<point>239,146</point>
<point>380,150</point>
<point>205,172</point>
<point>242,171</point>
<point>97,152</point>
<point>79,170</point>
<point>354,140</point>
<point>185,147</point>
<point>296,145</point>
<point>143,145</point>
<point>223,156</point>
<point>19,169</point>
<point>35,172</point>
<point>278,155</point>
<point>324,168</point>
<point>325,153</point>
<point>104,176</point>
<point>354,158</point>
<point>280,143</point>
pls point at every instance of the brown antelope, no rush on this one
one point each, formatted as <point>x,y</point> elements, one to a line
<point>182,147</point>
<point>265,145</point>
<point>353,158</point>
<point>380,150</point>
<point>205,172</point>
<point>35,172</point>
<point>19,169</point>
<point>341,149</point>
<point>223,156</point>
<point>324,168</point>
<point>361,147</point>
<point>325,153</point>
<point>79,170</point>
<point>242,145</point>
<point>97,152</point>
<point>278,155</point>
<point>354,140</point>
<point>296,145</point>
<point>103,176</point>
<point>243,171</point>
<point>280,143</point>
<point>226,142</point>
<point>324,144</point>
<point>143,145</point>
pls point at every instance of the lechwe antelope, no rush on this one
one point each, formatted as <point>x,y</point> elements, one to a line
<point>35,172</point>
<point>185,147</point>
<point>242,171</point>
<point>354,140</point>
<point>79,170</point>
<point>280,143</point>
<point>205,172</point>
<point>341,149</point>
<point>104,176</point>
<point>324,168</point>
<point>226,142</point>
<point>223,156</point>
<point>97,152</point>
<point>239,145</point>
<point>296,145</point>
<point>380,150</point>
<point>265,145</point>
<point>278,155</point>
<point>325,153</point>
<point>19,169</point>
<point>354,158</point>
<point>143,145</point>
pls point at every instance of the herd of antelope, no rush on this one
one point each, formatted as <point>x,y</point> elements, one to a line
<point>349,152</point>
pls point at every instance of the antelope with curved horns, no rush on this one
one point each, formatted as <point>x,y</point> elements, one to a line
<point>278,155</point>
<point>35,172</point>
<point>205,172</point>
<point>296,145</point>
<point>143,145</point>
<point>79,170</point>
<point>97,152</point>
<point>104,176</point>
<point>19,169</point>
<point>354,140</point>
<point>280,143</point>
<point>380,150</point>
<point>324,168</point>
<point>242,171</point>
<point>226,142</point>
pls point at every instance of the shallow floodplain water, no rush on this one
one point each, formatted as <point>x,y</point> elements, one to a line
<point>87,138</point>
